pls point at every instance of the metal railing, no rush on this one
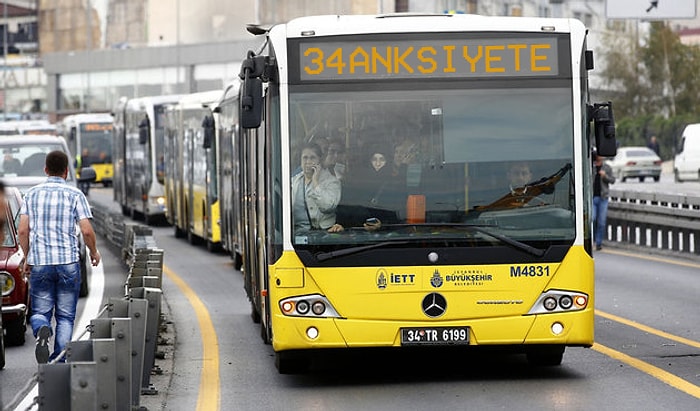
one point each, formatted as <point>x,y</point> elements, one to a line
<point>657,220</point>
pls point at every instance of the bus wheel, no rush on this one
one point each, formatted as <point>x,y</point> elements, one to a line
<point>254,314</point>
<point>546,355</point>
<point>213,247</point>
<point>237,261</point>
<point>179,233</point>
<point>192,238</point>
<point>291,362</point>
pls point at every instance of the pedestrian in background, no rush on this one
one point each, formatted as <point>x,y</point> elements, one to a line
<point>48,237</point>
<point>602,178</point>
<point>654,146</point>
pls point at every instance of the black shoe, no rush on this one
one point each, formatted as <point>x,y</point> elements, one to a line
<point>599,247</point>
<point>42,345</point>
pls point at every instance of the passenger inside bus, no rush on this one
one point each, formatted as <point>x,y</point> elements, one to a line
<point>315,193</point>
<point>367,192</point>
<point>334,160</point>
<point>11,165</point>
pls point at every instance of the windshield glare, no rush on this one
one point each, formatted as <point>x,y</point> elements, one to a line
<point>96,146</point>
<point>26,160</point>
<point>417,164</point>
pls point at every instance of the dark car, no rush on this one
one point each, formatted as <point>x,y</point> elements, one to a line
<point>15,283</point>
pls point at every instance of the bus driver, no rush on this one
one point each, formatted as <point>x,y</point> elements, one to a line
<point>315,193</point>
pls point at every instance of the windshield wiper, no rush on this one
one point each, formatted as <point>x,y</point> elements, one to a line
<point>520,196</point>
<point>353,250</point>
<point>480,228</point>
<point>511,242</point>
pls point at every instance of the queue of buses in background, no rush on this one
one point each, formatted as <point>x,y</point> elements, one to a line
<point>358,173</point>
<point>89,138</point>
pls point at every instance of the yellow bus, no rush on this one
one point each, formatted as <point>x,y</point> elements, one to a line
<point>376,199</point>
<point>226,133</point>
<point>89,137</point>
<point>139,163</point>
<point>191,187</point>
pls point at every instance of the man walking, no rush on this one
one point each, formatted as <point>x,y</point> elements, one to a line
<point>602,178</point>
<point>51,243</point>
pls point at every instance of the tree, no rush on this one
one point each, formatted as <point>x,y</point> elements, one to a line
<point>624,74</point>
<point>655,75</point>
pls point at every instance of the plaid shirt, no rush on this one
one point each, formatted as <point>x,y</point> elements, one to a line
<point>54,208</point>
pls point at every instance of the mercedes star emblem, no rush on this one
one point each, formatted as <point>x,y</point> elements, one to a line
<point>434,305</point>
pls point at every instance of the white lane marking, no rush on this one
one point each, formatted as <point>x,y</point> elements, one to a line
<point>92,307</point>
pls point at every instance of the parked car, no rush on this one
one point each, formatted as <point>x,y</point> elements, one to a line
<point>22,166</point>
<point>635,162</point>
<point>686,163</point>
<point>15,283</point>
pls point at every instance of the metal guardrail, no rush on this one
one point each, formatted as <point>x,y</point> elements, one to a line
<point>657,220</point>
<point>112,369</point>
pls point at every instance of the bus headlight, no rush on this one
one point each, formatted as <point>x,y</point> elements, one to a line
<point>549,303</point>
<point>557,301</point>
<point>303,307</point>
<point>565,301</point>
<point>313,305</point>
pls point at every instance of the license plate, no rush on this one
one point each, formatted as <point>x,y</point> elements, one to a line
<point>435,336</point>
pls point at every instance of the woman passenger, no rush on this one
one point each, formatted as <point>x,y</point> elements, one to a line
<point>315,193</point>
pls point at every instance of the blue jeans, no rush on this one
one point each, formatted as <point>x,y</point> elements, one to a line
<point>55,287</point>
<point>600,215</point>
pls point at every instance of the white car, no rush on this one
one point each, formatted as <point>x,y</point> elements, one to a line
<point>636,162</point>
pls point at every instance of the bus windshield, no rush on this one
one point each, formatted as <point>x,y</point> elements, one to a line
<point>96,143</point>
<point>420,165</point>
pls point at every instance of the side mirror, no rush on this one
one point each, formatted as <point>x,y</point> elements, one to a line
<point>144,131</point>
<point>72,133</point>
<point>254,70</point>
<point>87,175</point>
<point>251,103</point>
<point>604,125</point>
<point>209,128</point>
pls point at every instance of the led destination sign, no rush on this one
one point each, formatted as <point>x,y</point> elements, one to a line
<point>96,126</point>
<point>402,59</point>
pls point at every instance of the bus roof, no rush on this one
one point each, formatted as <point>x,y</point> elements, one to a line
<point>308,27</point>
<point>153,100</point>
<point>88,118</point>
<point>201,99</point>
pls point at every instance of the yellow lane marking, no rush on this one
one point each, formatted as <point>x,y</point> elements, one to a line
<point>648,329</point>
<point>665,376</point>
<point>655,372</point>
<point>209,391</point>
<point>653,258</point>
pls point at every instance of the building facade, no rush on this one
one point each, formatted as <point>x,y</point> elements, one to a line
<point>92,52</point>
